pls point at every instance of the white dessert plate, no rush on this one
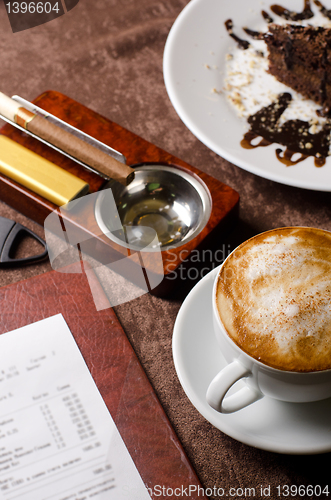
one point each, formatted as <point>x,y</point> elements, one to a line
<point>195,64</point>
<point>289,428</point>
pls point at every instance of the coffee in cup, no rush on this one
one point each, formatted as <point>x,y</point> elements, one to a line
<point>272,318</point>
<point>274,298</point>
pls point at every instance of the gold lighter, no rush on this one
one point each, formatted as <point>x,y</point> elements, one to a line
<point>38,174</point>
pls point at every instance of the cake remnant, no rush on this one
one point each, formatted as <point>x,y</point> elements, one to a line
<point>285,95</point>
<point>300,57</point>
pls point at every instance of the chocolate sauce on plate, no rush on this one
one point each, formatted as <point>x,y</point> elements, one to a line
<point>324,10</point>
<point>256,35</point>
<point>268,19</point>
<point>242,44</point>
<point>293,134</point>
<point>307,13</point>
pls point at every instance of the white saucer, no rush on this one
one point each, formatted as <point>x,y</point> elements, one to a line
<point>293,428</point>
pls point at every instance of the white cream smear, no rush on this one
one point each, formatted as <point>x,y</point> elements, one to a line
<point>249,87</point>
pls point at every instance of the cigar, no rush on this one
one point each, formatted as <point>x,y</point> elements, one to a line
<point>65,141</point>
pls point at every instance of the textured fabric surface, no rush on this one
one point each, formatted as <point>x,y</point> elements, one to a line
<point>107,54</point>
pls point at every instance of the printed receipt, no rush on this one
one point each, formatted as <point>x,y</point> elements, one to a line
<point>57,438</point>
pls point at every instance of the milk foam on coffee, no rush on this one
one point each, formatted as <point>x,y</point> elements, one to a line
<point>274,298</point>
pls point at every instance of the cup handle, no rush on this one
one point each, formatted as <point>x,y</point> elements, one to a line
<point>223,381</point>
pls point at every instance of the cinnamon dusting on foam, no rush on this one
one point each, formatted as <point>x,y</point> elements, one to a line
<point>274,298</point>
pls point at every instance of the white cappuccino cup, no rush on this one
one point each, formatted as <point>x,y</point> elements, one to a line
<point>272,319</point>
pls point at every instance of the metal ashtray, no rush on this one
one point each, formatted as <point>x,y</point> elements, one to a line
<point>169,201</point>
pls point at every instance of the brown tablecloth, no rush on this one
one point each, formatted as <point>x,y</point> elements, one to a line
<point>108,56</point>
